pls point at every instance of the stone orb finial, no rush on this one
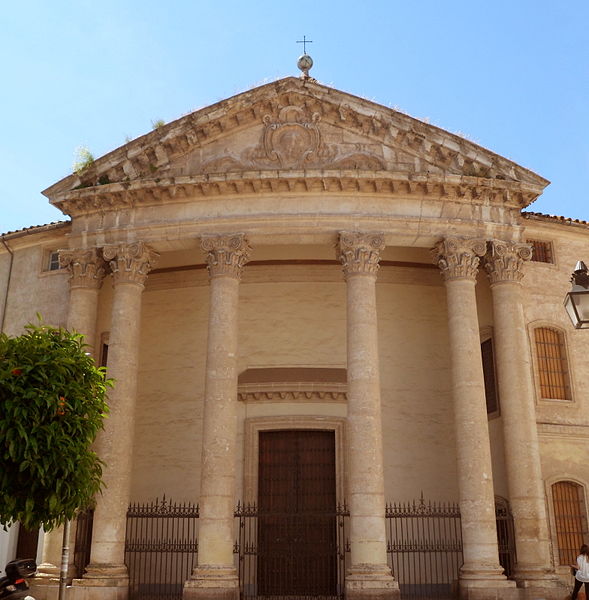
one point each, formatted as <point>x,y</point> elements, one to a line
<point>305,63</point>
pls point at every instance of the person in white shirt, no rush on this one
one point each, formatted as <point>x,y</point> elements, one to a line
<point>582,572</point>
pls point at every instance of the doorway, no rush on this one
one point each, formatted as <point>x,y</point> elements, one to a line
<point>297,545</point>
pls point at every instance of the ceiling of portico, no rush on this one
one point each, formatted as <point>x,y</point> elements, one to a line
<point>293,136</point>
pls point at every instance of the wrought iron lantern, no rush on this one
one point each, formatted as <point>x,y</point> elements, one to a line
<point>576,301</point>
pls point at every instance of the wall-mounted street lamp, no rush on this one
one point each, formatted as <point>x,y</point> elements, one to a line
<point>576,301</point>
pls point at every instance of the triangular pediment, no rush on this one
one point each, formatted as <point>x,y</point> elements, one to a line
<point>293,125</point>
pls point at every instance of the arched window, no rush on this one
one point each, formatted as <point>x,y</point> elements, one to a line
<point>553,372</point>
<point>570,516</point>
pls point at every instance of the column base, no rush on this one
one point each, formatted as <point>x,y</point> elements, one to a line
<point>371,582</point>
<point>101,582</point>
<point>541,583</point>
<point>211,582</point>
<point>44,588</point>
<point>486,584</point>
<point>488,589</point>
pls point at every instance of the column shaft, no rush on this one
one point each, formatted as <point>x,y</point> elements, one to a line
<point>116,440</point>
<point>217,494</point>
<point>364,431</point>
<point>475,478</point>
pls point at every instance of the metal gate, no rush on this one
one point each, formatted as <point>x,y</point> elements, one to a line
<point>424,548</point>
<point>160,548</point>
<point>505,535</point>
<point>247,550</point>
<point>83,541</point>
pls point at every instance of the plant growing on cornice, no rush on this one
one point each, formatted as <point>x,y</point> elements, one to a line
<point>83,160</point>
<point>52,399</point>
<point>157,124</point>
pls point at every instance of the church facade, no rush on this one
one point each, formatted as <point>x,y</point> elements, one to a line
<point>321,309</point>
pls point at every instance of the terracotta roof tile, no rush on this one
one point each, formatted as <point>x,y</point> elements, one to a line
<point>33,228</point>
<point>557,218</point>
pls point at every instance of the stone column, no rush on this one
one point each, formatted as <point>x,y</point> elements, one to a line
<point>504,265</point>
<point>215,576</point>
<point>369,575</point>
<point>86,268</point>
<point>458,260</point>
<point>130,265</point>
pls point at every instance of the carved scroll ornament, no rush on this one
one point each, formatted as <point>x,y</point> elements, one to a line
<point>226,254</point>
<point>86,267</point>
<point>458,258</point>
<point>505,260</point>
<point>359,252</point>
<point>130,263</point>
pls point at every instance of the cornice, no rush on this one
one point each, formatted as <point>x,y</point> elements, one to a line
<point>118,196</point>
<point>292,392</point>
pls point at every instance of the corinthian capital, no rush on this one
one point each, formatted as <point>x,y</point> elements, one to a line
<point>86,267</point>
<point>458,258</point>
<point>130,263</point>
<point>359,252</point>
<point>504,261</point>
<point>226,254</point>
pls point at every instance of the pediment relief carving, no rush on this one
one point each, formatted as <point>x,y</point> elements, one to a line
<point>292,138</point>
<point>289,125</point>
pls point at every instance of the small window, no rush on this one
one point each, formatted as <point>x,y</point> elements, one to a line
<point>103,350</point>
<point>570,518</point>
<point>53,261</point>
<point>541,251</point>
<point>491,394</point>
<point>103,354</point>
<point>552,365</point>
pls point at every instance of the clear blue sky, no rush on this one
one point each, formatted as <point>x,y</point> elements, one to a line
<point>512,76</point>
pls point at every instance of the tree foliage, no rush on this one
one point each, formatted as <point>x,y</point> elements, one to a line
<point>52,405</point>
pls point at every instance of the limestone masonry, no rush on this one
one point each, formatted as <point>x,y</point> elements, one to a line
<point>309,299</point>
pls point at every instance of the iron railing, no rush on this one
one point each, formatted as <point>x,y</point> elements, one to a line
<point>161,548</point>
<point>424,547</point>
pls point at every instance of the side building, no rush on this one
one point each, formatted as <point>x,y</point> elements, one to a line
<point>343,366</point>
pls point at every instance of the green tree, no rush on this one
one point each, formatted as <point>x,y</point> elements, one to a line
<point>52,405</point>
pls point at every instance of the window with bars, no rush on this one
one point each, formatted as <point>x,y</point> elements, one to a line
<point>570,516</point>
<point>491,395</point>
<point>552,366</point>
<point>541,251</point>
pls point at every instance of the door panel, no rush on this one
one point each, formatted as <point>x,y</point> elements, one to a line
<point>296,524</point>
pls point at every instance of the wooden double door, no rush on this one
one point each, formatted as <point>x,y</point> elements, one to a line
<point>297,547</point>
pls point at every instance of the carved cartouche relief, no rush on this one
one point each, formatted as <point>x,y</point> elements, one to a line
<point>292,139</point>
